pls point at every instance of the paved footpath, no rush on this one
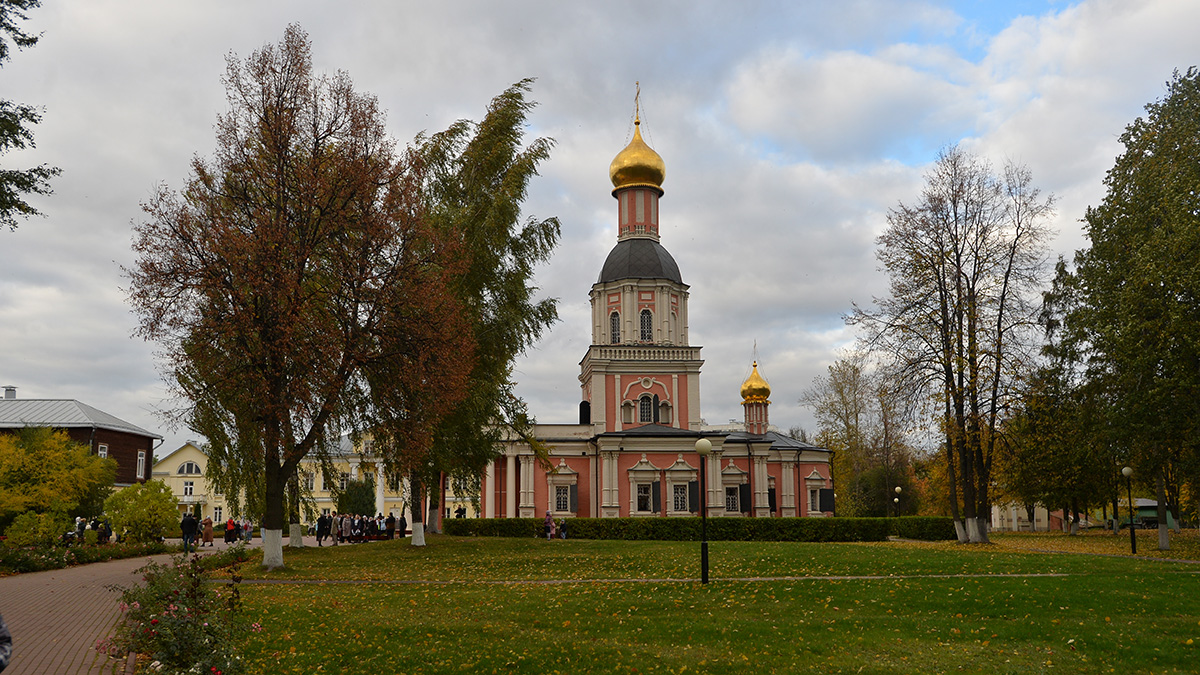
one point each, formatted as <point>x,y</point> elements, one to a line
<point>56,617</point>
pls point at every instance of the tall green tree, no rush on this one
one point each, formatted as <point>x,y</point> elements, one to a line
<point>1136,325</point>
<point>300,288</point>
<point>16,125</point>
<point>477,177</point>
<point>963,261</point>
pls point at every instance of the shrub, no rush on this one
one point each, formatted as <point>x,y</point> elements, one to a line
<point>22,560</point>
<point>183,624</point>
<point>926,528</point>
<point>684,529</point>
<point>36,529</point>
<point>144,510</point>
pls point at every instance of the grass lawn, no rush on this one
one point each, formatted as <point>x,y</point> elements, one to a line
<point>531,606</point>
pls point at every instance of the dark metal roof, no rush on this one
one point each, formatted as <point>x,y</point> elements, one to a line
<point>778,441</point>
<point>62,414</point>
<point>656,431</point>
<point>639,259</point>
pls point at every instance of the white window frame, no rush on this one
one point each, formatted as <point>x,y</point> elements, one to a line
<point>562,498</point>
<point>732,499</point>
<point>218,514</point>
<point>645,410</point>
<point>189,488</point>
<point>308,480</point>
<point>649,497</point>
<point>141,464</point>
<point>646,325</point>
<point>614,328</point>
<point>102,450</point>
<point>679,491</point>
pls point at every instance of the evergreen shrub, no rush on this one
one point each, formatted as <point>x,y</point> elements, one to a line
<point>925,528</point>
<point>684,529</point>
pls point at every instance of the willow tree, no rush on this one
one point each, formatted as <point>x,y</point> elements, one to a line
<point>477,176</point>
<point>964,262</point>
<point>299,287</point>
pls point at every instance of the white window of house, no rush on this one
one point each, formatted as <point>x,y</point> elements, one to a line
<point>647,326</point>
<point>189,468</point>
<point>102,450</point>
<point>614,327</point>
<point>562,498</point>
<point>345,480</point>
<point>218,514</point>
<point>732,502</point>
<point>141,464</point>
<point>325,511</point>
<point>679,496</point>
<point>643,497</point>
<point>309,480</point>
<point>645,409</point>
<point>814,500</point>
<point>188,488</point>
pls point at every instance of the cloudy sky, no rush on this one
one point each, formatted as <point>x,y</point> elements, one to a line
<point>788,129</point>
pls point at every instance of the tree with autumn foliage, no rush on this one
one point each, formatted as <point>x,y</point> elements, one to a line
<point>299,287</point>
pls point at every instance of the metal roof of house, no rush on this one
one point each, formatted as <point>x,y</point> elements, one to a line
<point>18,413</point>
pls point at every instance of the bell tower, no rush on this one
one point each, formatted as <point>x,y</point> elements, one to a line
<point>639,369</point>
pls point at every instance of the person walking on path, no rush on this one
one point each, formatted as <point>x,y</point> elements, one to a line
<point>207,532</point>
<point>549,526</point>
<point>188,526</point>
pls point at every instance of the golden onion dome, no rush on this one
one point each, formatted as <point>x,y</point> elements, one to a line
<point>637,165</point>
<point>755,388</point>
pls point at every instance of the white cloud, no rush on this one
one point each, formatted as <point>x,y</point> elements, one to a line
<point>788,130</point>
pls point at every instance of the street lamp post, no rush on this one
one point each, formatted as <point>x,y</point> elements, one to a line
<point>703,447</point>
<point>1128,473</point>
<point>896,500</point>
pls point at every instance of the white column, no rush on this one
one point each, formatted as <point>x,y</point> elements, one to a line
<point>379,489</point>
<point>762,507</point>
<point>510,486</point>
<point>489,490</point>
<point>788,489</point>
<point>527,508</point>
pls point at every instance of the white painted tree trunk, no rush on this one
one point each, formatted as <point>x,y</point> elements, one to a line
<point>960,531</point>
<point>418,534</point>
<point>295,535</point>
<point>272,546</point>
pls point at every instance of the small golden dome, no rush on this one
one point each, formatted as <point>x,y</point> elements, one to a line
<point>755,388</point>
<point>637,165</point>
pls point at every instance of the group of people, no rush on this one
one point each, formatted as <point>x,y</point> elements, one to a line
<point>101,527</point>
<point>200,532</point>
<point>348,528</point>
<point>555,528</point>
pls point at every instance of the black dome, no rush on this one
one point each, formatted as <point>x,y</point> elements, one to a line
<point>639,259</point>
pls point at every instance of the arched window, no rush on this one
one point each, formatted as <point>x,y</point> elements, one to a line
<point>645,409</point>
<point>189,468</point>
<point>647,326</point>
<point>614,327</point>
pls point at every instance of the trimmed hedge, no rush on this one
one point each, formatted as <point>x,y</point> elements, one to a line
<point>925,528</point>
<point>719,529</point>
<point>683,529</point>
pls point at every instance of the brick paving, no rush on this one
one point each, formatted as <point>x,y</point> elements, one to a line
<point>56,617</point>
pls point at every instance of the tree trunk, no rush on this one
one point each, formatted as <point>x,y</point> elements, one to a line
<point>1074,516</point>
<point>1164,533</point>
<point>273,515</point>
<point>418,510</point>
<point>295,529</point>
